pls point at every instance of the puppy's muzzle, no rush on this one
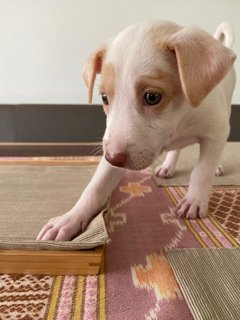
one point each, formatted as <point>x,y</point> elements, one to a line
<point>117,159</point>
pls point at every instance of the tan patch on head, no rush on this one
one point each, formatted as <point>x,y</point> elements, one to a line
<point>91,68</point>
<point>160,82</point>
<point>164,78</point>
<point>108,76</point>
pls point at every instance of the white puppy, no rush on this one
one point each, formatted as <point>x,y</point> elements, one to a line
<point>163,87</point>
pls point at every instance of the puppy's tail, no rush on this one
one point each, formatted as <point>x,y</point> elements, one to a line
<point>225,34</point>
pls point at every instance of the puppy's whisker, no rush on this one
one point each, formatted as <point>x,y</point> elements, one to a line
<point>97,153</point>
<point>97,150</point>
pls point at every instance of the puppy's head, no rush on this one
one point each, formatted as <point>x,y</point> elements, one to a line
<point>151,73</point>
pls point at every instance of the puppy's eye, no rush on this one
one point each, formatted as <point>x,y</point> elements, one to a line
<point>105,99</point>
<point>152,98</point>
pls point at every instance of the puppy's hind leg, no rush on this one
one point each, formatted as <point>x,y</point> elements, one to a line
<point>167,168</point>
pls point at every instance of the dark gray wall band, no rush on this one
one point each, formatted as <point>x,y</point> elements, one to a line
<point>51,123</point>
<point>66,123</point>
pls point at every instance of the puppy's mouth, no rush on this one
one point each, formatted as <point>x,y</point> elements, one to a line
<point>137,160</point>
<point>140,161</point>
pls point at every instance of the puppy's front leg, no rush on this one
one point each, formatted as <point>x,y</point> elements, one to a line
<point>195,202</point>
<point>65,227</point>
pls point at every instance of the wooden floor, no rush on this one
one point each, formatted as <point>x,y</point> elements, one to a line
<point>50,161</point>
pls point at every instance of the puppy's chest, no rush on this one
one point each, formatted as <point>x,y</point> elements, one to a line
<point>180,142</point>
<point>186,133</point>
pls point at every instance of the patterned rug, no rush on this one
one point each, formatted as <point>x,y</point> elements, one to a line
<point>136,280</point>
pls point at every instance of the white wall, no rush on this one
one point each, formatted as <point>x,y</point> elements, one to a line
<point>44,43</point>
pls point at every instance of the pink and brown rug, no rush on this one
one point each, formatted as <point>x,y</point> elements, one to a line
<point>136,280</point>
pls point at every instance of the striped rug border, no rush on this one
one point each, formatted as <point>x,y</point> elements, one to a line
<point>85,294</point>
<point>215,235</point>
<point>56,288</point>
<point>77,309</point>
<point>66,298</point>
<point>102,289</point>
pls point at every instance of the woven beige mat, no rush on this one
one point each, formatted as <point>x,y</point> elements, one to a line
<point>230,161</point>
<point>31,195</point>
<point>209,280</point>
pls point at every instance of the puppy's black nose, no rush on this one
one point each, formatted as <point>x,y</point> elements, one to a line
<point>117,159</point>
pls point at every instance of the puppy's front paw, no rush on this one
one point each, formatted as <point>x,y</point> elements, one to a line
<point>164,171</point>
<point>219,171</point>
<point>192,206</point>
<point>63,228</point>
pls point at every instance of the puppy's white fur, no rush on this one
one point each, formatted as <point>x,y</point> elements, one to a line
<point>194,74</point>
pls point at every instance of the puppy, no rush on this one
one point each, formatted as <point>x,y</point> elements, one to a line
<point>163,87</point>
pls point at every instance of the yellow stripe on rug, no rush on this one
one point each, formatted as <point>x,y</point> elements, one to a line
<point>170,195</point>
<point>78,301</point>
<point>209,233</point>
<point>54,299</point>
<point>195,234</point>
<point>102,292</point>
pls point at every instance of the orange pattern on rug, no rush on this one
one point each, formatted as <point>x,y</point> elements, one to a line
<point>136,189</point>
<point>137,281</point>
<point>157,275</point>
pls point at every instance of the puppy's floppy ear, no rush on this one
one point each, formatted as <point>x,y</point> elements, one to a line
<point>202,62</point>
<point>91,68</point>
